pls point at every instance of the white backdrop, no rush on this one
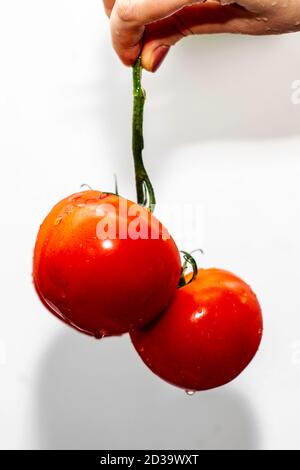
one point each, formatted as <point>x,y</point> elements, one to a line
<point>221,133</point>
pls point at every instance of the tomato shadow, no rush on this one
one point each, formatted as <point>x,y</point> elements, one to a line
<point>99,395</point>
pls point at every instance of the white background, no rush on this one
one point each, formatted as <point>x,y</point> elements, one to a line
<point>221,133</point>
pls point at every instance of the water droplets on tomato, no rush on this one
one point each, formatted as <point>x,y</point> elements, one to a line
<point>99,334</point>
<point>190,393</point>
<point>58,221</point>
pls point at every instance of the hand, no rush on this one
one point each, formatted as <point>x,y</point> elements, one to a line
<point>150,27</point>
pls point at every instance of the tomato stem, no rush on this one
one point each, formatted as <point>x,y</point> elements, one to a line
<point>144,188</point>
<point>188,259</point>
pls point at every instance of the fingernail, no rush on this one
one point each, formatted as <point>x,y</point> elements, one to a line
<point>158,56</point>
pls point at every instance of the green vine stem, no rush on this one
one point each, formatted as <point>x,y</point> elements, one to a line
<point>188,259</point>
<point>144,188</point>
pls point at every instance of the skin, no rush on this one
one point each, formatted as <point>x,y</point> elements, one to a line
<point>102,287</point>
<point>151,27</point>
<point>207,336</point>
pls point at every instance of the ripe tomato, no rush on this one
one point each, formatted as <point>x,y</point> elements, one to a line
<point>104,284</point>
<point>207,335</point>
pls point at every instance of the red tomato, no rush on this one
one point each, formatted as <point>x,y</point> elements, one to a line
<point>104,285</point>
<point>208,334</point>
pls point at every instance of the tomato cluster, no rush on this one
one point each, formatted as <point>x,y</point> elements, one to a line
<point>103,273</point>
<point>106,266</point>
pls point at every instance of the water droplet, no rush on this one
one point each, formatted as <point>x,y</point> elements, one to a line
<point>58,221</point>
<point>79,203</point>
<point>99,334</point>
<point>190,393</point>
<point>68,210</point>
<point>197,315</point>
<point>107,244</point>
<point>262,18</point>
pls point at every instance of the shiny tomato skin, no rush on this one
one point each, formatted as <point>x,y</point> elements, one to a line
<point>206,336</point>
<point>102,287</point>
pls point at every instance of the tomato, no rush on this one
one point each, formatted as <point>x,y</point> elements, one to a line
<point>208,334</point>
<point>97,280</point>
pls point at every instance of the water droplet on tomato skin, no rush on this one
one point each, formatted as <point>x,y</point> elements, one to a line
<point>78,201</point>
<point>57,221</point>
<point>190,393</point>
<point>99,334</point>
